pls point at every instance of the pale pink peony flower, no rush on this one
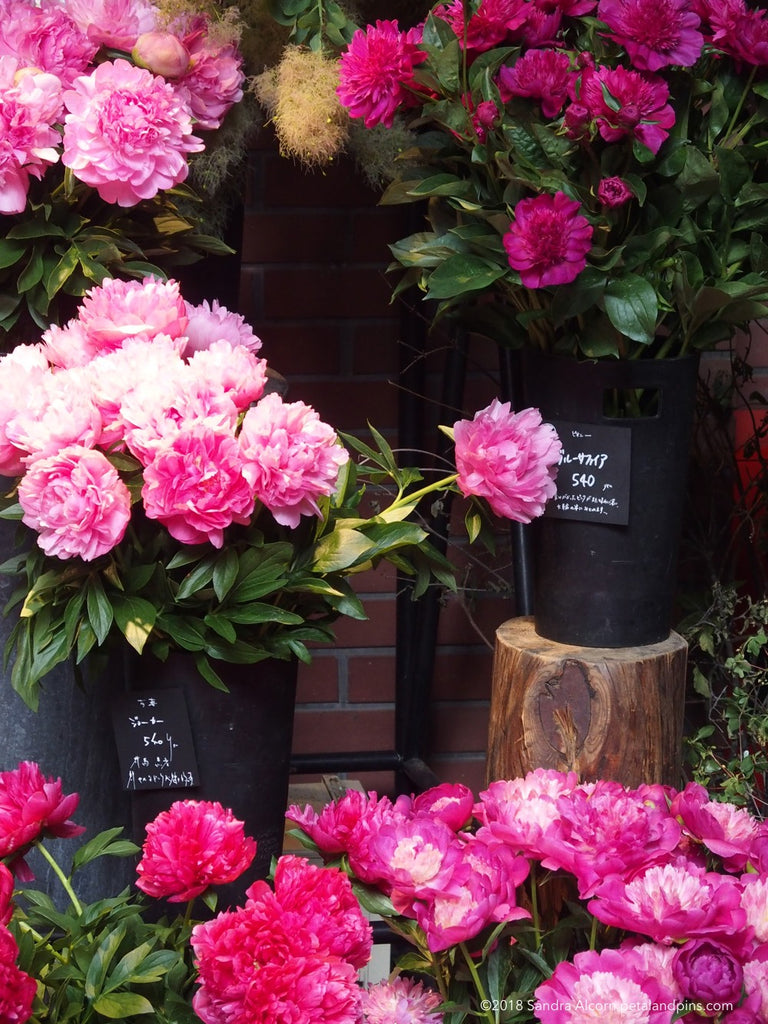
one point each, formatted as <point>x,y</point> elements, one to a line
<point>548,241</point>
<point>672,902</point>
<point>193,845</point>
<point>30,102</point>
<point>607,987</point>
<point>754,901</point>
<point>127,133</point>
<point>543,75</point>
<point>46,38</point>
<point>291,458</point>
<point>113,23</point>
<point>69,345</point>
<point>726,830</point>
<point>510,459</point>
<point>116,310</point>
<point>59,413</point>
<point>655,33</point>
<point>33,807</point>
<point>22,372</point>
<point>209,323</point>
<point>76,502</point>
<point>214,80</point>
<point>17,988</point>
<point>196,487</point>
<point>756,985</point>
<point>236,370</point>
<point>162,53</point>
<point>638,108</point>
<point>376,72</point>
<point>400,1001</point>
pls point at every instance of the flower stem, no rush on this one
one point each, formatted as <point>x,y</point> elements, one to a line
<point>479,987</point>
<point>61,877</point>
<point>408,499</point>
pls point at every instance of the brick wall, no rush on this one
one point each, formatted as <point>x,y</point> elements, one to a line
<point>313,285</point>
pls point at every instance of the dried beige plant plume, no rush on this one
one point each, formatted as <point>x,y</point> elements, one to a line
<point>299,94</point>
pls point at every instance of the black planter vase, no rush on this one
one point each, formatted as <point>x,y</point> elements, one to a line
<point>606,584</point>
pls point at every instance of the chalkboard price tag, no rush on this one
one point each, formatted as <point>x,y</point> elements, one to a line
<point>154,740</point>
<point>594,473</point>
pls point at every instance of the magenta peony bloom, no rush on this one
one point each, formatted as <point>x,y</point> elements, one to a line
<point>707,972</point>
<point>33,807</point>
<point>639,107</point>
<point>214,81</point>
<point>17,989</point>
<point>450,803</point>
<point>548,240</point>
<point>209,323</point>
<point>290,456</point>
<point>376,72</point>
<point>191,846</point>
<point>127,133</point>
<point>338,826</point>
<point>76,502</point>
<point>162,53</point>
<point>488,26</point>
<point>613,192</point>
<point>196,486</point>
<point>6,892</point>
<point>117,310</point>
<point>754,902</point>
<point>544,75</point>
<point>114,23</point>
<point>756,985</point>
<point>726,830</point>
<point>607,984</point>
<point>519,811</point>
<point>400,1001</point>
<point>655,33</point>
<point>510,459</point>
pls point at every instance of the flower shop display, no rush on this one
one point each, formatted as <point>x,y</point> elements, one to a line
<point>105,104</point>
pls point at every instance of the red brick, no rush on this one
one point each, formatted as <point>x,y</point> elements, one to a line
<point>318,682</point>
<point>462,674</point>
<point>378,630</point>
<point>285,184</point>
<point>301,350</point>
<point>371,678</point>
<point>339,292</point>
<point>374,230</point>
<point>375,347</point>
<point>274,236</point>
<point>468,771</point>
<point>349,405</point>
<point>343,731</point>
<point>459,727</point>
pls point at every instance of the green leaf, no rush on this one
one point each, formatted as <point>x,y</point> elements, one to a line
<point>100,614</point>
<point>120,1005</point>
<point>462,273</point>
<point>340,550</point>
<point>135,618</point>
<point>101,845</point>
<point>10,252</point>
<point>197,579</point>
<point>102,957</point>
<point>225,572</point>
<point>632,307</point>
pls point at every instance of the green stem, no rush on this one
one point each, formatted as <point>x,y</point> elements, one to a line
<point>408,499</point>
<point>535,917</point>
<point>479,988</point>
<point>593,935</point>
<point>61,877</point>
<point>41,941</point>
<point>740,104</point>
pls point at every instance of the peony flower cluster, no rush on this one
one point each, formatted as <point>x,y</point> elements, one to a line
<point>128,121</point>
<point>674,883</point>
<point>198,439</point>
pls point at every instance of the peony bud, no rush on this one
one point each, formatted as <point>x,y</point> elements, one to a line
<point>162,53</point>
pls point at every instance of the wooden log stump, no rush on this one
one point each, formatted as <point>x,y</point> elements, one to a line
<point>606,713</point>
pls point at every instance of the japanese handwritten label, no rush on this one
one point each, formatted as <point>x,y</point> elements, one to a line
<point>593,474</point>
<point>154,740</point>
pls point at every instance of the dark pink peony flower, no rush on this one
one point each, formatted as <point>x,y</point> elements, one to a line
<point>117,309</point>
<point>488,26</point>
<point>6,892</point>
<point>290,458</point>
<point>214,80</point>
<point>450,803</point>
<point>613,192</point>
<point>726,830</point>
<point>743,35</point>
<point>639,106</point>
<point>401,1001</point>
<point>655,33</point>
<point>376,71</point>
<point>191,846</point>
<point>707,972</point>
<point>17,989</point>
<point>33,807</point>
<point>605,983</point>
<point>548,240</point>
<point>543,75</point>
<point>76,502</point>
<point>127,133</point>
<point>196,486</point>
<point>510,459</point>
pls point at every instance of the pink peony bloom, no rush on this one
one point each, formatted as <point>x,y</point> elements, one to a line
<point>291,458</point>
<point>17,989</point>
<point>741,33</point>
<point>162,53</point>
<point>601,986</point>
<point>214,81</point>
<point>117,310</point>
<point>191,846</point>
<point>519,811</point>
<point>76,502</point>
<point>234,369</point>
<point>672,902</point>
<point>544,75</point>
<point>30,102</point>
<point>548,240</point>
<point>726,830</point>
<point>639,106</point>
<point>756,985</point>
<point>127,133</point>
<point>400,1001</point>
<point>113,23</point>
<point>209,323</point>
<point>196,486</point>
<point>7,885</point>
<point>376,72</point>
<point>510,459</point>
<point>655,33</point>
<point>22,372</point>
<point>46,38</point>
<point>488,26</point>
<point>69,345</point>
<point>613,192</point>
<point>33,807</point>
<point>754,901</point>
<point>449,803</point>
<point>60,412</point>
